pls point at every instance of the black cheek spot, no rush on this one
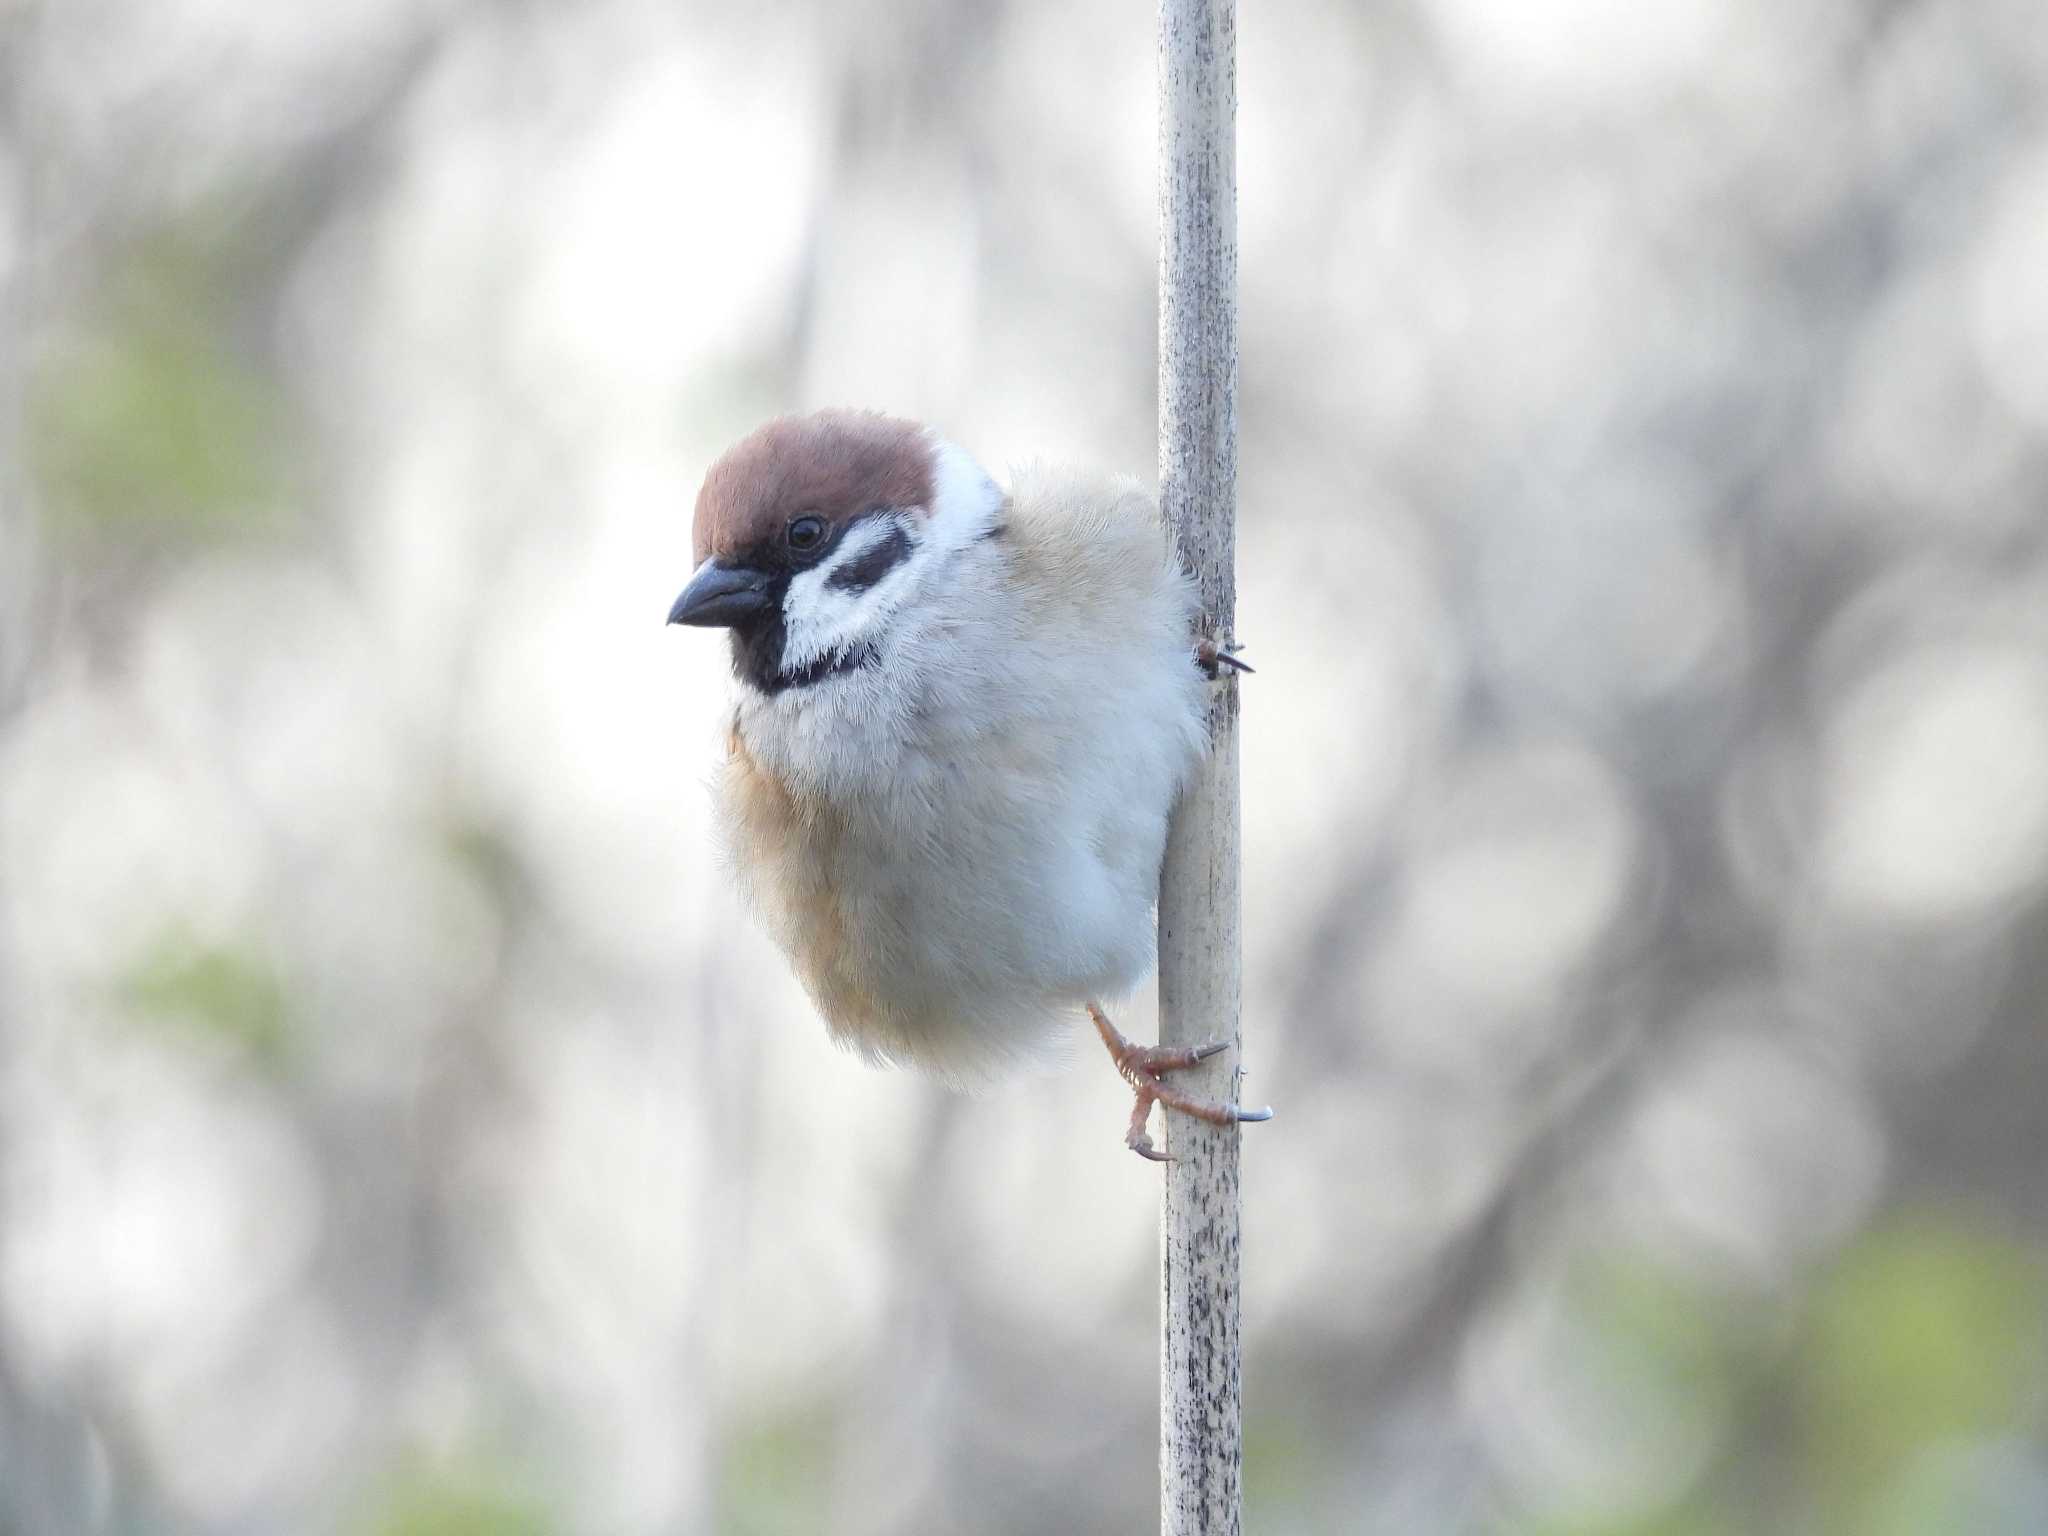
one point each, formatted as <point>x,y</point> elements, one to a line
<point>863,572</point>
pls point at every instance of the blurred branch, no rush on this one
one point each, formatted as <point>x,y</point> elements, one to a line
<point>47,1447</point>
<point>17,168</point>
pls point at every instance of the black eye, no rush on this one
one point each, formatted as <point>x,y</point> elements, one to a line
<point>805,533</point>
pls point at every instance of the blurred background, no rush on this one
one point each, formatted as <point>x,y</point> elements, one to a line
<point>1645,554</point>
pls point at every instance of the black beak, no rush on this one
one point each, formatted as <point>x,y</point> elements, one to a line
<point>721,595</point>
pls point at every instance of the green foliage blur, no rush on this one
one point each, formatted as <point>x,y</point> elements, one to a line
<point>219,998</point>
<point>1923,1343</point>
<point>147,419</point>
<point>454,1501</point>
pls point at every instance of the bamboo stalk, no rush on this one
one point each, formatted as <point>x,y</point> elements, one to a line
<point>1201,1442</point>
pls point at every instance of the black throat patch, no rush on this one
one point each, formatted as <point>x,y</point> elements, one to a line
<point>757,656</point>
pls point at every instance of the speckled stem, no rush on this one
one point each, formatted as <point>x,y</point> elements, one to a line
<point>1201,1451</point>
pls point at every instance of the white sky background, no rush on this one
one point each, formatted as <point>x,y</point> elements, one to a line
<point>1643,415</point>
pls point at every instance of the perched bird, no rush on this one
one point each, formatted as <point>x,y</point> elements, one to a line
<point>963,716</point>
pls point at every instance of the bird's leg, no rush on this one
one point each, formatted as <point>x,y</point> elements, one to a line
<point>1213,655</point>
<point>1135,1062</point>
<point>1142,1065</point>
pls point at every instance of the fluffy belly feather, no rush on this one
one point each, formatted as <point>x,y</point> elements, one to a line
<point>936,926</point>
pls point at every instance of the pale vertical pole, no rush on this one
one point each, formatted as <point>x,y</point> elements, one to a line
<point>1201,1451</point>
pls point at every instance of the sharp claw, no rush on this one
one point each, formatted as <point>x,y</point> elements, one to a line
<point>1204,1052</point>
<point>1146,1150</point>
<point>1256,1114</point>
<point>1212,657</point>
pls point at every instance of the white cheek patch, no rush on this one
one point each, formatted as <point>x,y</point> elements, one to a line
<point>848,600</point>
<point>835,606</point>
<point>965,502</point>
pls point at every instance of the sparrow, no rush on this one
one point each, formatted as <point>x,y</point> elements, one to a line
<point>962,716</point>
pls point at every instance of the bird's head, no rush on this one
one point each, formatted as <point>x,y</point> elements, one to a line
<point>814,532</point>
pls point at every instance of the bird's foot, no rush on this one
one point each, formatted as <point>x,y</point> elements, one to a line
<point>1142,1067</point>
<point>1213,655</point>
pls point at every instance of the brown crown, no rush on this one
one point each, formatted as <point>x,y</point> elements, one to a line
<point>837,464</point>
